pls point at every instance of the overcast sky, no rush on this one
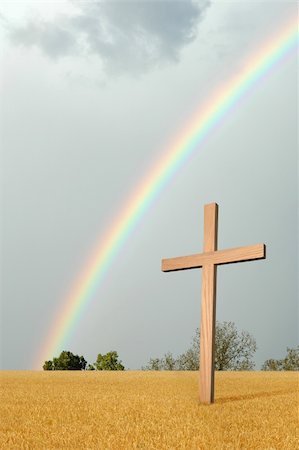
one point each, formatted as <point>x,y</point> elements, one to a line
<point>91,95</point>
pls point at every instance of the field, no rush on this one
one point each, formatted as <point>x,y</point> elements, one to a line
<point>147,410</point>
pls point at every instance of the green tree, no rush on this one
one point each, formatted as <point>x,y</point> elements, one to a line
<point>66,361</point>
<point>154,364</point>
<point>48,365</point>
<point>189,360</point>
<point>233,351</point>
<point>272,364</point>
<point>90,367</point>
<point>290,362</point>
<point>168,362</point>
<point>108,362</point>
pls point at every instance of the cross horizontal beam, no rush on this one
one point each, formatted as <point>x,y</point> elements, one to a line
<point>228,256</point>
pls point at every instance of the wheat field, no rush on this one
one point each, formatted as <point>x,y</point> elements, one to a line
<point>147,410</point>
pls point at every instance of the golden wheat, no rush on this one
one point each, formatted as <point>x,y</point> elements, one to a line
<point>147,410</point>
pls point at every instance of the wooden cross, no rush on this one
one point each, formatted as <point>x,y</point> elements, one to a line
<point>209,260</point>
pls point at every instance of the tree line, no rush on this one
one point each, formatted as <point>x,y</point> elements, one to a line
<point>234,350</point>
<point>68,361</point>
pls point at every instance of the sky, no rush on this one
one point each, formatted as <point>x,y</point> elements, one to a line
<point>92,96</point>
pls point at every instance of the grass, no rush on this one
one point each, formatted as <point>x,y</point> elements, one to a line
<point>147,410</point>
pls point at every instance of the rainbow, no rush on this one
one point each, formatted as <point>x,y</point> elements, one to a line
<point>177,154</point>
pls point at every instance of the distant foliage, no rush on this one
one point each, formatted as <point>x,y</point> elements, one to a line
<point>234,350</point>
<point>48,365</point>
<point>290,362</point>
<point>168,362</point>
<point>66,361</point>
<point>69,361</point>
<point>108,362</point>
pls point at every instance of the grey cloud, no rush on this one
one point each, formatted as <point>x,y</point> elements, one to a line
<point>54,40</point>
<point>127,36</point>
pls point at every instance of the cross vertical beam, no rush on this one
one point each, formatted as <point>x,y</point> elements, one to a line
<point>208,307</point>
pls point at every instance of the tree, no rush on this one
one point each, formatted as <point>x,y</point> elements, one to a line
<point>290,362</point>
<point>189,360</point>
<point>233,351</point>
<point>66,361</point>
<point>90,367</point>
<point>154,364</point>
<point>48,365</point>
<point>108,362</point>
<point>168,362</point>
<point>272,364</point>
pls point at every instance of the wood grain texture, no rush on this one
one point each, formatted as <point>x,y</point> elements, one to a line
<point>208,308</point>
<point>228,256</point>
<point>207,334</point>
<point>210,227</point>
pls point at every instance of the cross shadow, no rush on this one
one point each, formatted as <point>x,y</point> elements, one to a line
<point>236,398</point>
